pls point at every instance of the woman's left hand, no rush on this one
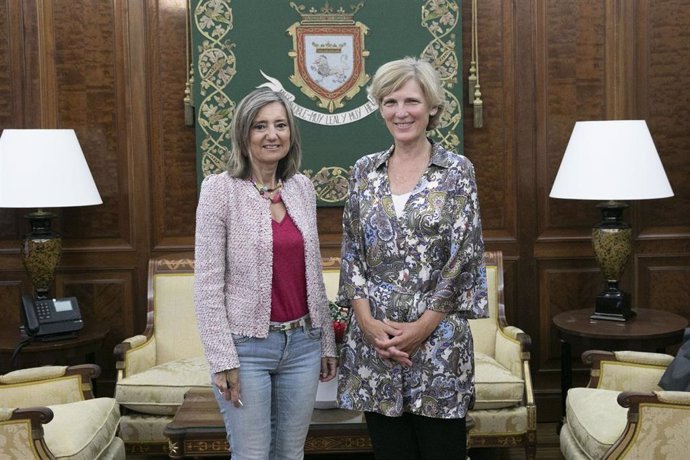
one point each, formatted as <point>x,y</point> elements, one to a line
<point>329,366</point>
<point>402,346</point>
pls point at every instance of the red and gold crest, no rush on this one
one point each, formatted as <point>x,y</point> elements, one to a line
<point>328,54</point>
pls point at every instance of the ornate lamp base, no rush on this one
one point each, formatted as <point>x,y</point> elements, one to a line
<point>41,250</point>
<point>612,245</point>
<point>613,305</point>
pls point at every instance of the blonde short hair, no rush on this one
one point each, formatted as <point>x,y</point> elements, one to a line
<point>239,164</point>
<point>394,74</point>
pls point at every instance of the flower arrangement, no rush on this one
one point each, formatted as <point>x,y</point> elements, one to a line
<point>339,318</point>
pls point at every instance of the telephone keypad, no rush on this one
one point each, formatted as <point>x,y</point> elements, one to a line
<point>43,309</point>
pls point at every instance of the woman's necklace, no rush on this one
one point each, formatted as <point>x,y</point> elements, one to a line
<point>272,194</point>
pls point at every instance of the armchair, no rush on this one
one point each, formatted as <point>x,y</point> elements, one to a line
<point>50,413</point>
<point>623,413</point>
<point>504,413</point>
<point>156,368</point>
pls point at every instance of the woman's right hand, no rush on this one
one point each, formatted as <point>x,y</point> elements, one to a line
<point>228,384</point>
<point>373,329</point>
<point>376,332</point>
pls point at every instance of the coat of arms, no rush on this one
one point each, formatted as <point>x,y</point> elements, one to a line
<point>329,54</point>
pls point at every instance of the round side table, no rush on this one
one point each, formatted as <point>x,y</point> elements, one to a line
<point>648,330</point>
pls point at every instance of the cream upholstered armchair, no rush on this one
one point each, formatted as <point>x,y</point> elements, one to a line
<point>504,413</point>
<point>156,368</point>
<point>50,413</point>
<point>623,413</point>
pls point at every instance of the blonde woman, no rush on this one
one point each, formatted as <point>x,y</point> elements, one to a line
<point>412,273</point>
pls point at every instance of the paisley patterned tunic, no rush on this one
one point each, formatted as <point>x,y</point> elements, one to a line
<point>430,258</point>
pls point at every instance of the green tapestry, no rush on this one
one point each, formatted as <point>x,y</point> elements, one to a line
<point>321,55</point>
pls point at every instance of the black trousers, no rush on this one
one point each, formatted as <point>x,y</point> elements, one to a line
<point>414,437</point>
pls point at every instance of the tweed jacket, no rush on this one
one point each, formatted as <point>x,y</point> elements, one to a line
<point>234,264</point>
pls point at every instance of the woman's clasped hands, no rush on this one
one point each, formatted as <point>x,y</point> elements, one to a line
<point>400,341</point>
<point>392,340</point>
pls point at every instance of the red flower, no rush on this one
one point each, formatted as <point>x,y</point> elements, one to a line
<point>339,329</point>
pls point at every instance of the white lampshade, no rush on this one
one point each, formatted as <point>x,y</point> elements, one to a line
<point>44,168</point>
<point>611,160</point>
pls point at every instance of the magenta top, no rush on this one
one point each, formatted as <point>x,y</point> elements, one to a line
<point>289,288</point>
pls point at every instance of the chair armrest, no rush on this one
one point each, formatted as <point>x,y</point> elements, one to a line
<point>529,398</point>
<point>37,415</point>
<point>625,371</point>
<point>22,433</point>
<point>657,425</point>
<point>512,349</point>
<point>135,354</point>
<point>642,357</point>
<point>635,398</point>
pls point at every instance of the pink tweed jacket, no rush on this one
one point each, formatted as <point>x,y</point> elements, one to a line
<point>234,264</point>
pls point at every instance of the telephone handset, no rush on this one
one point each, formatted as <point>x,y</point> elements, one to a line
<point>51,319</point>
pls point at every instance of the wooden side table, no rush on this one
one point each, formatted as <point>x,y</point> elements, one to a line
<point>77,350</point>
<point>649,330</point>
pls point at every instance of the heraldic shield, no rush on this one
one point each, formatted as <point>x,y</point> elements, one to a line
<point>329,55</point>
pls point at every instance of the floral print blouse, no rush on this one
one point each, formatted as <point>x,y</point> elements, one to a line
<point>430,258</point>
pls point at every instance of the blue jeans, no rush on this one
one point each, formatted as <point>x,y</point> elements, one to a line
<point>279,376</point>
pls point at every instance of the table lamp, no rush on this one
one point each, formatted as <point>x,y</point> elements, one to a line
<point>611,161</point>
<point>43,168</point>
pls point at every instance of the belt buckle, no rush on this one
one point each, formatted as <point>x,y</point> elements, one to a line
<point>290,325</point>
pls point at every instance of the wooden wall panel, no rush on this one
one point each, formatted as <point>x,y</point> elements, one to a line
<point>105,297</point>
<point>11,90</point>
<point>570,87</point>
<point>86,99</point>
<point>491,148</point>
<point>172,143</point>
<point>563,283</point>
<point>664,283</point>
<point>7,106</point>
<point>11,288</point>
<point>663,70</point>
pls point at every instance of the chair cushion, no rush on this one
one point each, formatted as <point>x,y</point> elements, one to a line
<point>595,419</point>
<point>569,448</point>
<point>496,387</point>
<point>82,429</point>
<point>160,390</point>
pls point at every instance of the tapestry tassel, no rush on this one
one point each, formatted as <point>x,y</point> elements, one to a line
<point>474,86</point>
<point>188,103</point>
<point>187,100</point>
<point>188,112</point>
<point>471,81</point>
<point>478,108</point>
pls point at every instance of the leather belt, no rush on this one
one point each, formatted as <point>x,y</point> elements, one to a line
<point>304,321</point>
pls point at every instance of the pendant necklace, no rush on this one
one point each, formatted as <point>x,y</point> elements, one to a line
<point>266,192</point>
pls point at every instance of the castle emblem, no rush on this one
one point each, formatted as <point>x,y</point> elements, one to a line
<point>328,53</point>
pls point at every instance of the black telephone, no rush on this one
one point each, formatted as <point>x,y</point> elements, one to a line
<point>51,319</point>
